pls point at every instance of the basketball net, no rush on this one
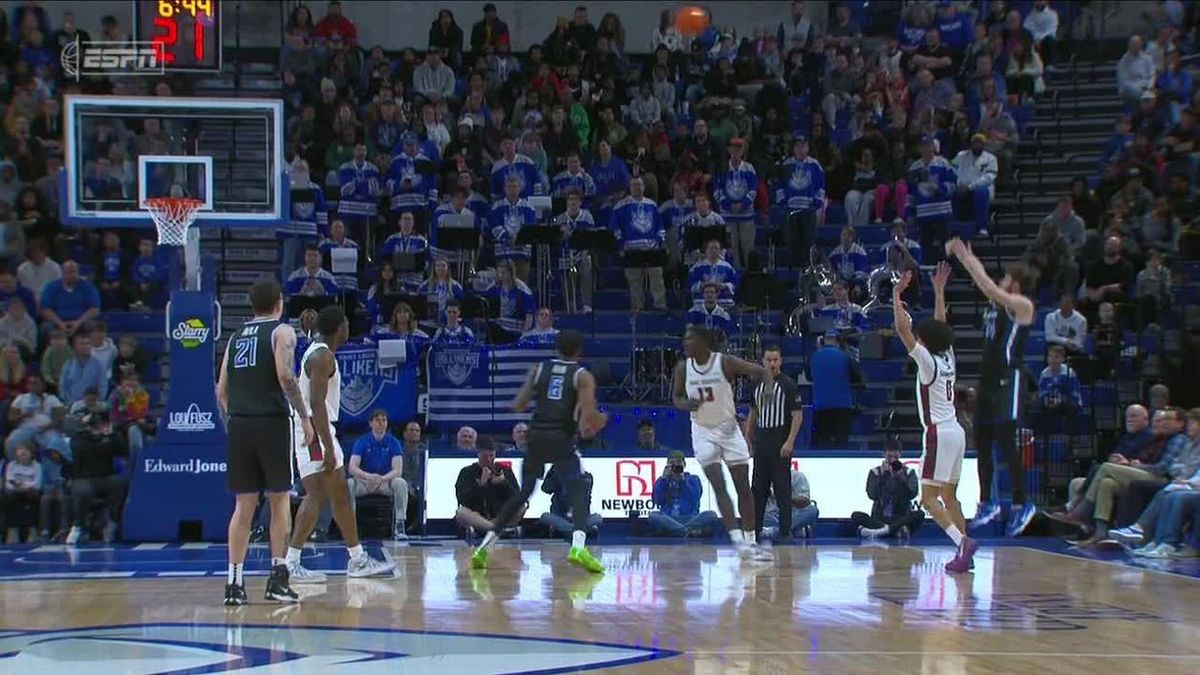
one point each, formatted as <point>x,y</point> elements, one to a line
<point>173,218</point>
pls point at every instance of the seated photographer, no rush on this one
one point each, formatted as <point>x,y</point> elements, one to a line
<point>482,488</point>
<point>804,511</point>
<point>677,496</point>
<point>892,487</point>
<point>94,475</point>
<point>559,517</point>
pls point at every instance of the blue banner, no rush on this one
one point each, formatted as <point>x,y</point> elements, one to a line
<point>475,385</point>
<point>367,386</point>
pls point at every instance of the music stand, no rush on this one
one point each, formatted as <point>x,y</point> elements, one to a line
<point>476,308</point>
<point>298,303</point>
<point>593,239</point>
<point>696,237</point>
<point>459,239</point>
<point>418,303</point>
<point>762,291</point>
<point>544,239</point>
<point>409,262</point>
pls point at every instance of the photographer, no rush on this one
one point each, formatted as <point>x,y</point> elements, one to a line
<point>483,487</point>
<point>892,487</point>
<point>677,496</point>
<point>94,475</point>
<point>559,518</point>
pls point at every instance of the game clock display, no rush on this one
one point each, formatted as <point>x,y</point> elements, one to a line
<point>186,32</point>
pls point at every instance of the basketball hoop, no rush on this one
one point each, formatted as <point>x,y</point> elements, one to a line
<point>172,218</point>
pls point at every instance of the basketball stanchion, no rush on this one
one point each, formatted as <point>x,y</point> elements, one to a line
<point>177,487</point>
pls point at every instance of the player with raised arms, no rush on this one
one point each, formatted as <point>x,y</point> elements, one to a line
<point>944,442</point>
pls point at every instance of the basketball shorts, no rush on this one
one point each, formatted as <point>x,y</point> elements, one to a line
<point>724,443</point>
<point>311,459</point>
<point>1000,399</point>
<point>259,454</point>
<point>942,456</point>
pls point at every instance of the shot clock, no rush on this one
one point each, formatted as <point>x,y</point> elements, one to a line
<point>187,33</point>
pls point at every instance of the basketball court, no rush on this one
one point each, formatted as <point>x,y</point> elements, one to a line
<point>687,608</point>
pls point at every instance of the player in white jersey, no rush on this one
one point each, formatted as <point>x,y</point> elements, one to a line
<point>944,442</point>
<point>702,387</point>
<point>320,464</point>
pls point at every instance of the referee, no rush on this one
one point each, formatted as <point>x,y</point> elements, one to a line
<point>771,433</point>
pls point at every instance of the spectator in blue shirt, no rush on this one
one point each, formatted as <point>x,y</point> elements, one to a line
<point>543,335</point>
<point>833,372</point>
<point>69,302</point>
<point>9,289</point>
<point>513,300</point>
<point>148,276</point>
<point>716,270</point>
<point>452,331</point>
<point>311,280</point>
<point>677,496</point>
<point>611,176</point>
<point>83,372</point>
<point>404,241</point>
<point>1058,387</point>
<point>108,272</point>
<point>559,517</point>
<point>709,313</point>
<point>376,468</point>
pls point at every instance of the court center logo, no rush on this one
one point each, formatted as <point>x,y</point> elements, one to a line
<point>91,58</point>
<point>174,649</point>
<point>457,365</point>
<point>190,333</point>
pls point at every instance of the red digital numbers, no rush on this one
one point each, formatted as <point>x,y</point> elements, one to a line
<point>169,37</point>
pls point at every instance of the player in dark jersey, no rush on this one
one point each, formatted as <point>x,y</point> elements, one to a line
<point>565,394</point>
<point>256,384</point>
<point>998,407</point>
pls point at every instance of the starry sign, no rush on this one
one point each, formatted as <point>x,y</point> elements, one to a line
<point>173,649</point>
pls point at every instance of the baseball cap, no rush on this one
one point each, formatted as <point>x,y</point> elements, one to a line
<point>466,121</point>
<point>1148,95</point>
<point>738,141</point>
<point>676,454</point>
<point>979,137</point>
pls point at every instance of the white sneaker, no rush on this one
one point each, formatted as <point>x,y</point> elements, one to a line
<point>74,536</point>
<point>1127,535</point>
<point>400,535</point>
<point>366,566</point>
<point>769,532</point>
<point>299,574</point>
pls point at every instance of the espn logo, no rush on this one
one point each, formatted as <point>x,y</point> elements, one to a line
<point>635,477</point>
<point>105,59</point>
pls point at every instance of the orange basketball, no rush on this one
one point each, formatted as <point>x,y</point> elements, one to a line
<point>691,21</point>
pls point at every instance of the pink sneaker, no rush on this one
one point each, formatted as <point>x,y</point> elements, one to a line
<point>964,560</point>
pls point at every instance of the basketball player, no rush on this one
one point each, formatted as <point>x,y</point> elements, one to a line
<point>944,442</point>
<point>565,394</point>
<point>254,388</point>
<point>702,387</point>
<point>320,463</point>
<point>998,413</point>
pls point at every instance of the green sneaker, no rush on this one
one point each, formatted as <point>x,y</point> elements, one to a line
<point>581,558</point>
<point>479,559</point>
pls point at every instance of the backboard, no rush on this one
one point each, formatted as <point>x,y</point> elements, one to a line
<point>121,150</point>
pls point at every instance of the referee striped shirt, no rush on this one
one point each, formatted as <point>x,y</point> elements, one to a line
<point>776,411</point>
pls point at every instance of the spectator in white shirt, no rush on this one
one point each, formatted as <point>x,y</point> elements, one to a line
<point>1042,24</point>
<point>977,169</point>
<point>38,269</point>
<point>1135,72</point>
<point>434,80</point>
<point>1066,327</point>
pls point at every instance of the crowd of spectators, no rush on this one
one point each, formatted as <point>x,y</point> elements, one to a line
<point>720,134</point>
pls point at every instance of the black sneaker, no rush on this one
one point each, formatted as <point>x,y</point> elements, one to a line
<point>278,588</point>
<point>235,595</point>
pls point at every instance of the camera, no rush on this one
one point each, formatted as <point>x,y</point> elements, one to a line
<point>897,466</point>
<point>677,469</point>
